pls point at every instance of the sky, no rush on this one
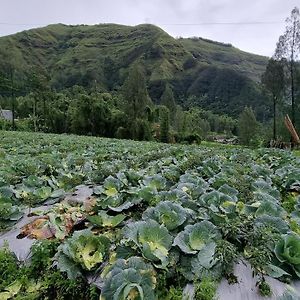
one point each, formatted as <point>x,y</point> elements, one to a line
<point>250,25</point>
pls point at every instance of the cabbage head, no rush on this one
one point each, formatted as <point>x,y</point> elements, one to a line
<point>83,249</point>
<point>167,213</point>
<point>287,251</point>
<point>195,237</point>
<point>131,279</point>
<point>153,240</point>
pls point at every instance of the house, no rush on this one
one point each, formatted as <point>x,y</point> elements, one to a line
<point>6,114</point>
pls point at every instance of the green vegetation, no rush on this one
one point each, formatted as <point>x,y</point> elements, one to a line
<point>161,220</point>
<point>282,77</point>
<point>154,221</point>
<point>206,290</point>
<point>264,288</point>
<point>225,55</point>
<point>100,58</point>
<point>39,279</point>
<point>111,80</point>
<point>248,127</point>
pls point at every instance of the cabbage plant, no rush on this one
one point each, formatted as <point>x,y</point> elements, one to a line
<point>129,279</point>
<point>192,184</point>
<point>205,264</point>
<point>9,212</point>
<point>287,251</point>
<point>195,237</point>
<point>83,249</point>
<point>167,213</point>
<point>153,240</point>
<point>214,199</point>
<point>116,195</point>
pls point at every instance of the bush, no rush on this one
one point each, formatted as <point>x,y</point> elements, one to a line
<point>206,289</point>
<point>8,267</point>
<point>5,125</point>
<point>24,125</point>
<point>192,138</point>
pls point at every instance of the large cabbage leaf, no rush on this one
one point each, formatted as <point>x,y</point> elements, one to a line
<point>270,208</point>
<point>229,191</point>
<point>275,224</point>
<point>9,213</point>
<point>167,213</point>
<point>84,249</point>
<point>157,182</point>
<point>214,199</point>
<point>262,186</point>
<point>204,264</point>
<point>102,219</point>
<point>115,198</point>
<point>195,237</point>
<point>153,240</point>
<point>287,250</point>
<point>192,184</point>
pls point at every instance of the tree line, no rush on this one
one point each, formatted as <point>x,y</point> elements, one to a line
<point>129,113</point>
<point>282,76</point>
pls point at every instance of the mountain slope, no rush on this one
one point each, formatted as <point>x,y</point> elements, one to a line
<point>102,55</point>
<point>225,55</point>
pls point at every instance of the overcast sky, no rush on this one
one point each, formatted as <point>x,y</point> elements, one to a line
<point>178,17</point>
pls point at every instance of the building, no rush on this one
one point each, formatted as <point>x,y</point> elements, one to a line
<point>6,114</point>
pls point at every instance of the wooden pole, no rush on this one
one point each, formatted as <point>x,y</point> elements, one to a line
<point>289,125</point>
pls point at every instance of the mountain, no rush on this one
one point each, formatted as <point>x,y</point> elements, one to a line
<point>214,75</point>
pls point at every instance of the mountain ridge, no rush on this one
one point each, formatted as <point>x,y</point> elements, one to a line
<point>103,54</point>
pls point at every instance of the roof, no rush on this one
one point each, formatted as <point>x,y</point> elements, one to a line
<point>6,114</point>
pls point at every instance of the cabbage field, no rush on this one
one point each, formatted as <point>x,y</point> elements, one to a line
<point>92,218</point>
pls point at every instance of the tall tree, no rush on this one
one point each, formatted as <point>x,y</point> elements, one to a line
<point>164,116</point>
<point>247,126</point>
<point>135,93</point>
<point>38,83</point>
<point>90,114</point>
<point>167,99</point>
<point>288,47</point>
<point>195,124</point>
<point>8,69</point>
<point>273,80</point>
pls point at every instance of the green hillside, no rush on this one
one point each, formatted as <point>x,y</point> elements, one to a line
<point>225,55</point>
<point>211,73</point>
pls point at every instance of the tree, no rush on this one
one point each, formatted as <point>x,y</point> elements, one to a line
<point>167,99</point>
<point>8,82</point>
<point>37,82</point>
<point>135,93</point>
<point>164,116</point>
<point>195,124</point>
<point>273,80</point>
<point>179,119</point>
<point>90,114</point>
<point>247,126</point>
<point>57,120</point>
<point>288,47</point>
